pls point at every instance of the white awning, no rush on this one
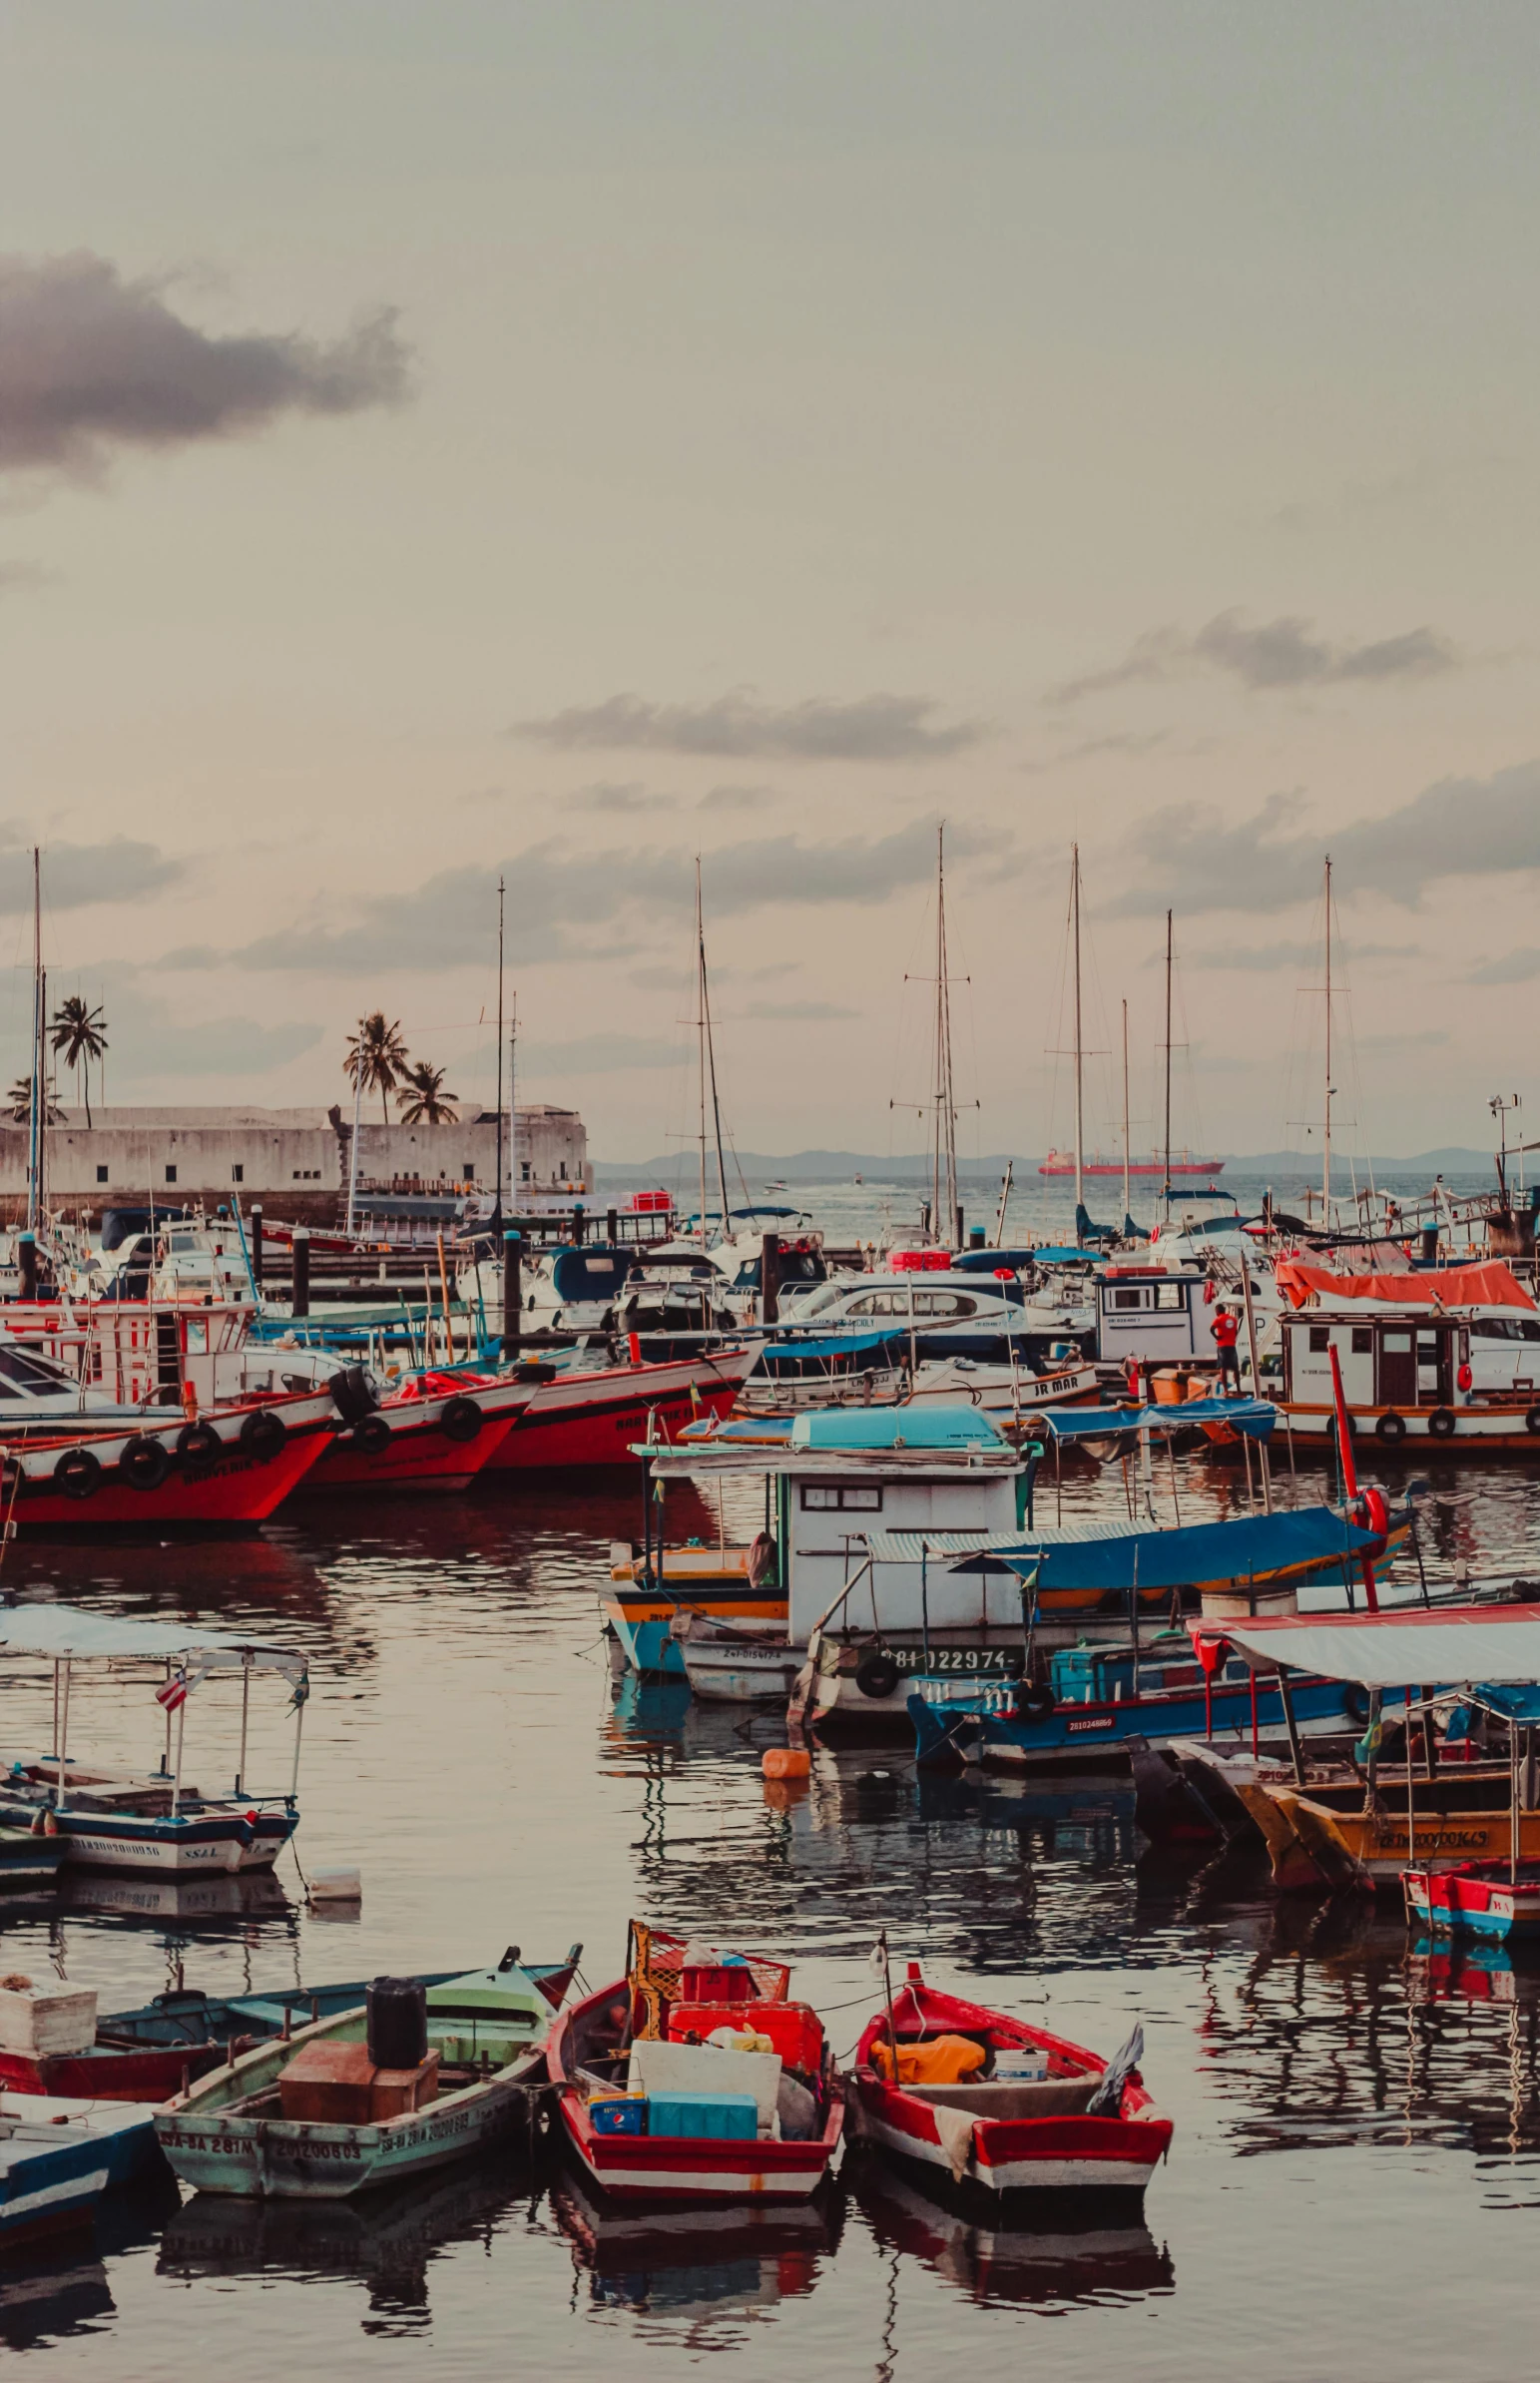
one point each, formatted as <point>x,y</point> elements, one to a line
<point>1420,1648</point>
<point>56,1631</point>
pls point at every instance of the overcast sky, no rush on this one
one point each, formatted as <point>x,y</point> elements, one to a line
<point>564,437</point>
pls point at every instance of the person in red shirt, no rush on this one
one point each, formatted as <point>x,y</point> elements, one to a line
<point>1226,1331</point>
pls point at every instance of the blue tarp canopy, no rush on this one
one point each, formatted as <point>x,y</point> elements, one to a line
<point>1251,1548</point>
<point>1254,1416</point>
<point>1521,1705</point>
<point>854,1349</point>
<point>1070,1257</point>
<point>916,1426</point>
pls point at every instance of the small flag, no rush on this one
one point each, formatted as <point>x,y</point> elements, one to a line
<point>174,1694</point>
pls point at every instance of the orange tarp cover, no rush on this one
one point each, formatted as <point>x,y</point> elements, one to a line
<point>1489,1286</point>
<point>944,2061</point>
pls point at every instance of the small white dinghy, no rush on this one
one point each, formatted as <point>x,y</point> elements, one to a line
<point>417,2079</point>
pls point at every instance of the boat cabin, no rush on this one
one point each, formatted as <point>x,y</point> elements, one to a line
<point>1155,1317</point>
<point>1397,1358</point>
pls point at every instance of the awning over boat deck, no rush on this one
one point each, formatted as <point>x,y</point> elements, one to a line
<point>58,1632</point>
<point>1500,1643</point>
<point>1112,1556</point>
<point>1254,1416</point>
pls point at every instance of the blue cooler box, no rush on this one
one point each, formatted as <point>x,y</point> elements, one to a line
<point>618,2114</point>
<point>730,2117</point>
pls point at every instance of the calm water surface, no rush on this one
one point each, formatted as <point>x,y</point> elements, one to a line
<point>1354,2185</point>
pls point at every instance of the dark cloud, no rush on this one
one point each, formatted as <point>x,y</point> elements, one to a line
<point>1514,967</point>
<point>1194,858</point>
<point>90,362</point>
<point>1262,957</point>
<point>604,796</point>
<point>557,897</point>
<point>737,797</point>
<point>118,870</point>
<point>873,728</point>
<point>1280,653</point>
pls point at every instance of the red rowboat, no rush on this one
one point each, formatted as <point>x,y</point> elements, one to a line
<point>598,1418</point>
<point>1005,2137</point>
<point>671,2002</point>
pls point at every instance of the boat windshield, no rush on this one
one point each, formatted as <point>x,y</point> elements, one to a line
<point>22,1376</point>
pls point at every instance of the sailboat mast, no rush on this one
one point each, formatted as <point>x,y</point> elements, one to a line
<point>1126,1205</point>
<point>497,1198</point>
<point>35,1106</point>
<point>946,1105</point>
<point>1325,1169</point>
<point>711,1062</point>
<point>700,942</point>
<point>1167,1191</point>
<point>1080,1161</point>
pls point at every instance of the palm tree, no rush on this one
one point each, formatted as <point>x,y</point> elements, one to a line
<point>20,1098</point>
<point>80,1032</point>
<point>425,1102</point>
<point>376,1057</point>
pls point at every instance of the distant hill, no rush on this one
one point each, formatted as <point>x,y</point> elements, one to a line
<point>841,1166</point>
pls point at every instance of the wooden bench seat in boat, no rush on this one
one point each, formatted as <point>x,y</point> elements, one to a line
<point>1052,2098</point>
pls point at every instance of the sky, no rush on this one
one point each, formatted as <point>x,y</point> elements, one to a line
<point>556,440</point>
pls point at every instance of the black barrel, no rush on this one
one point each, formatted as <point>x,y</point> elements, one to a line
<point>397,2023</point>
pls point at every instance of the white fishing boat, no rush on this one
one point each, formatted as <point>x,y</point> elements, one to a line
<point>335,2108</point>
<point>154,1821</point>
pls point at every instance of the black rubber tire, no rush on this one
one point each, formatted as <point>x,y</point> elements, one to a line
<point>264,1432</point>
<point>353,1394</point>
<point>78,1472</point>
<point>143,1463</point>
<point>1532,1419</point>
<point>1356,1703</point>
<point>373,1436</point>
<point>1440,1424</point>
<point>1034,1702</point>
<point>1390,1429</point>
<point>461,1421</point>
<point>198,1443</point>
<point>876,1674</point>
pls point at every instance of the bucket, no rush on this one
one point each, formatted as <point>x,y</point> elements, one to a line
<point>1240,1602</point>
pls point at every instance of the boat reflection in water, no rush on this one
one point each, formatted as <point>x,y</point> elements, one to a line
<point>696,2263</point>
<point>384,2241</point>
<point>53,2290</point>
<point>243,1895</point>
<point>992,2262</point>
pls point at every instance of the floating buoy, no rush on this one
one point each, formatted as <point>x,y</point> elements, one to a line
<point>787,1762</point>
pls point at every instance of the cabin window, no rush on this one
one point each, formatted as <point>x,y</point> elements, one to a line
<point>1128,1299</point>
<point>170,1174</point>
<point>1396,1343</point>
<point>1363,1340</point>
<point>846,1498</point>
<point>100,1174</point>
<point>1171,1294</point>
<point>237,1174</point>
<point>1320,1340</point>
<point>943,1302</point>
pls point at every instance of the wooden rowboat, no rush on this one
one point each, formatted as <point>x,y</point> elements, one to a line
<point>1016,2141</point>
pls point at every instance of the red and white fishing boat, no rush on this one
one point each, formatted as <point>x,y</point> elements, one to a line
<point>1007,2136</point>
<point>438,1432</point>
<point>227,1469</point>
<point>597,1417</point>
<point>658,2105</point>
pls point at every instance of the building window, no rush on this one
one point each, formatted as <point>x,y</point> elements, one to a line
<point>100,1174</point>
<point>237,1174</point>
<point>468,1171</point>
<point>562,1170</point>
<point>524,1170</point>
<point>170,1174</point>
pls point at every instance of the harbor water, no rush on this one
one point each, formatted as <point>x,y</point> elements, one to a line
<point>1355,2113</point>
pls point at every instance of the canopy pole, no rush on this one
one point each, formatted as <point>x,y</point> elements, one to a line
<point>1411,1799</point>
<point>1251,1335</point>
<point>165,1750</point>
<point>175,1785</point>
<point>1285,1698</point>
<point>1256,1748</point>
<point>1513,1799</point>
<point>924,1602</point>
<point>245,1706</point>
<point>54,1748</point>
<point>63,1733</point>
<point>301,1692</point>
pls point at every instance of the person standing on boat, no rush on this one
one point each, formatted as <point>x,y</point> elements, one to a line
<point>1226,1331</point>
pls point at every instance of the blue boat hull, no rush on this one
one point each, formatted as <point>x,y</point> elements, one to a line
<point>982,1727</point>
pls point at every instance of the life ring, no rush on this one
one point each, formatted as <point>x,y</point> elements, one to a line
<point>143,1463</point>
<point>461,1419</point>
<point>1034,1701</point>
<point>1356,1703</point>
<point>1532,1419</point>
<point>372,1434</point>
<point>876,1674</point>
<point>264,1432</point>
<point>1376,1514</point>
<point>78,1472</point>
<point>1391,1428</point>
<point>1440,1424</point>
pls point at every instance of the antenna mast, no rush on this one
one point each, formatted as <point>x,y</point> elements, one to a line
<point>946,1104</point>
<point>699,938</point>
<point>1166,1192</point>
<point>708,1046</point>
<point>497,1198</point>
<point>1080,1188</point>
<point>1325,1173</point>
<point>37,1105</point>
<point>1126,1205</point>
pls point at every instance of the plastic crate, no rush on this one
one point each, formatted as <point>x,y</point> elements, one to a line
<point>723,2117</point>
<point>618,2114</point>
